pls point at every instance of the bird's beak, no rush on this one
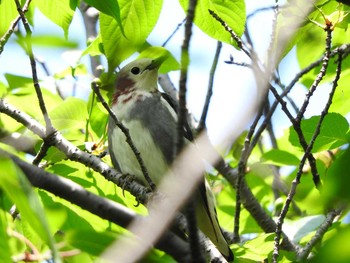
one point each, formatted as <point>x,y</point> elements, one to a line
<point>155,64</point>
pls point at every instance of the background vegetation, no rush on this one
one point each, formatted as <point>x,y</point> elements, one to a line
<point>282,196</point>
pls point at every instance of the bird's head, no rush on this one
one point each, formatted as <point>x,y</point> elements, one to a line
<point>141,74</point>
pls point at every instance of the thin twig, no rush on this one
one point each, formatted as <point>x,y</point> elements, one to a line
<point>49,128</point>
<point>126,132</point>
<point>242,165</point>
<point>308,150</point>
<point>233,34</point>
<point>321,231</point>
<point>182,118</point>
<point>202,121</point>
<point>173,33</point>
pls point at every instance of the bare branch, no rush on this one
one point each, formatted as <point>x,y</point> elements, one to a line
<point>201,125</point>
<point>75,154</point>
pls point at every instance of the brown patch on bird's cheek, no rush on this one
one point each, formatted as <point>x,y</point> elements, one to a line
<point>123,86</point>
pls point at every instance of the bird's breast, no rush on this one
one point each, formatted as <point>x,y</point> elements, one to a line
<point>128,108</point>
<point>123,102</point>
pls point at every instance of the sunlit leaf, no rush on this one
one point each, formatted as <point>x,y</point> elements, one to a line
<point>169,64</point>
<point>279,157</point>
<point>60,12</point>
<point>8,12</point>
<point>17,187</point>
<point>52,41</point>
<point>138,20</point>
<point>231,12</point>
<point>71,114</point>
<point>333,132</point>
<point>336,249</point>
<point>108,7</point>
<point>90,241</point>
<point>4,237</point>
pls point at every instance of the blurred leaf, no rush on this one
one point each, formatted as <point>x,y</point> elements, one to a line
<point>232,12</point>
<point>297,229</point>
<point>138,20</point>
<point>337,180</point>
<point>257,249</point>
<point>22,96</point>
<point>95,48</point>
<point>280,158</point>
<point>79,70</point>
<point>335,249</point>
<point>3,89</point>
<point>17,187</point>
<point>60,12</point>
<point>4,237</point>
<point>70,115</point>
<point>53,155</point>
<point>16,81</point>
<point>169,64</point>
<point>8,12</point>
<point>332,135</point>
<point>98,118</point>
<point>90,241</point>
<point>52,41</point>
<point>108,7</point>
<point>342,93</point>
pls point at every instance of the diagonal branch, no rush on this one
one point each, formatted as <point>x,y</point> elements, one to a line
<point>102,207</point>
<point>75,154</point>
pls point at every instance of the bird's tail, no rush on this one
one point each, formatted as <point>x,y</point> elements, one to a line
<point>208,222</point>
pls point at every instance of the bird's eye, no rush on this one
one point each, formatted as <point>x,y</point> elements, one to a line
<point>135,70</point>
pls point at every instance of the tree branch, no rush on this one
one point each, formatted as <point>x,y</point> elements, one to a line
<point>102,207</point>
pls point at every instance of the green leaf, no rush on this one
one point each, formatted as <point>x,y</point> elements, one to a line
<point>27,94</point>
<point>108,7</point>
<point>71,114</point>
<point>95,48</point>
<point>169,64</point>
<point>8,12</point>
<point>52,41</point>
<point>298,229</point>
<point>79,70</point>
<point>138,20</point>
<point>98,116</point>
<point>17,187</point>
<point>280,158</point>
<point>16,81</point>
<point>332,135</point>
<point>257,249</point>
<point>337,179</point>
<point>60,12</point>
<point>336,249</point>
<point>232,12</point>
<point>342,94</point>
<point>90,241</point>
<point>4,237</point>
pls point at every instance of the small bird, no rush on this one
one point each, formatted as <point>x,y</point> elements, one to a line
<point>151,119</point>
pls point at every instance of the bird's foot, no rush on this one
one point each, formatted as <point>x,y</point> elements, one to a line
<point>124,180</point>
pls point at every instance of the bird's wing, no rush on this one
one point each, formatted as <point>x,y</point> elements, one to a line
<point>160,120</point>
<point>173,103</point>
